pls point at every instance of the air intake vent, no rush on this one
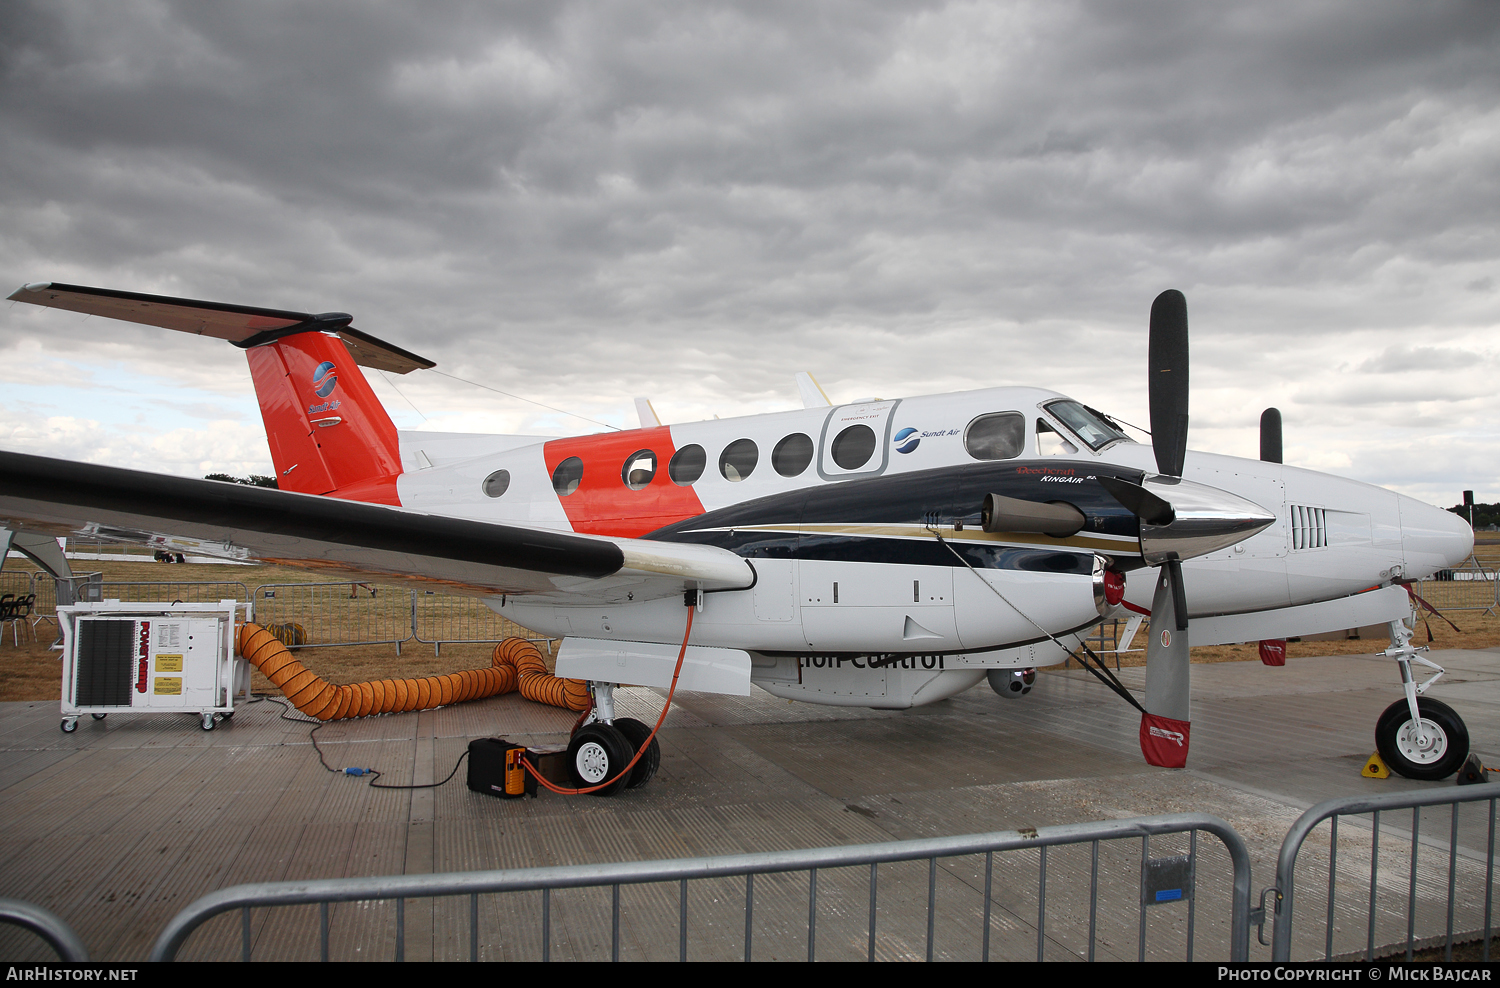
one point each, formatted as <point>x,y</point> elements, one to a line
<point>1309,527</point>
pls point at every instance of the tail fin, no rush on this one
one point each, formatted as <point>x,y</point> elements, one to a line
<point>328,432</point>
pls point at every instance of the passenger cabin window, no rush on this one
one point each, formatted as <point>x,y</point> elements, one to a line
<point>639,468</point>
<point>567,476</point>
<point>738,460</point>
<point>1050,442</point>
<point>496,483</point>
<point>1094,428</point>
<point>686,465</point>
<point>792,455</point>
<point>997,436</point>
<point>853,447</point>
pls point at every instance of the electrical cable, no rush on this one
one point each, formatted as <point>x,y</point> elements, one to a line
<point>373,774</point>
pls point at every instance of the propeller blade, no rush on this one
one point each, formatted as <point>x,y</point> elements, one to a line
<point>1009,514</point>
<point>1165,725</point>
<point>1142,503</point>
<point>1270,435</point>
<point>1167,361</point>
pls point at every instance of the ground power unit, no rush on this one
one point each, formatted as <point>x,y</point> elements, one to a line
<point>132,657</point>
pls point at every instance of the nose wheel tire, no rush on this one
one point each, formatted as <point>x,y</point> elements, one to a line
<point>1433,753</point>
<point>635,732</point>
<point>596,754</point>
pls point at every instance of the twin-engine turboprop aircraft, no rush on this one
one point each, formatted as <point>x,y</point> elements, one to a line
<point>884,553</point>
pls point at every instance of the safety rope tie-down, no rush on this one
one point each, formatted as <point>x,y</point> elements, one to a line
<point>516,663</point>
<point>630,766</point>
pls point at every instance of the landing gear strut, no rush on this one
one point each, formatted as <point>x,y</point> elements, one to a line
<point>1419,738</point>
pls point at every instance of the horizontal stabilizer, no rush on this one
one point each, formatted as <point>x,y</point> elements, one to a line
<point>243,325</point>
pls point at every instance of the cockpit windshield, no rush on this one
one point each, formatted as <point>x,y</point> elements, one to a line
<point>1094,428</point>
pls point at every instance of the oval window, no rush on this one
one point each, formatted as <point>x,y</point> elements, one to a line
<point>496,483</point>
<point>792,455</point>
<point>686,465</point>
<point>639,468</point>
<point>854,447</point>
<point>567,476</point>
<point>997,436</point>
<point>738,460</point>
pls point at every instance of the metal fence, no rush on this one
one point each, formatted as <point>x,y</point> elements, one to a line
<point>184,591</point>
<point>314,615</point>
<point>45,924</point>
<point>836,878</point>
<point>440,618</point>
<point>1456,899</point>
<point>1478,594</point>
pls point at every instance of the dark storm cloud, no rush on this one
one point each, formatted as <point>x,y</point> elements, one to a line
<point>576,199</point>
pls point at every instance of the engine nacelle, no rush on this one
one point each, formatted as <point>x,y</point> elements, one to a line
<point>1011,683</point>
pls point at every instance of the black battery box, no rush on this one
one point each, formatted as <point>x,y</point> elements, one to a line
<point>496,769</point>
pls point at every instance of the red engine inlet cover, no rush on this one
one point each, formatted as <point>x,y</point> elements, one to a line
<point>1114,586</point>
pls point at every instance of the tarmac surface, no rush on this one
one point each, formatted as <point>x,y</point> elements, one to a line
<point>121,824</point>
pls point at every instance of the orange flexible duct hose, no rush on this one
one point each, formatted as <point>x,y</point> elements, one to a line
<point>516,662</point>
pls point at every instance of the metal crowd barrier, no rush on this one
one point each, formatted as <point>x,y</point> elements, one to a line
<point>437,619</point>
<point>315,615</point>
<point>166,591</point>
<point>1154,882</point>
<point>45,924</point>
<point>1479,594</point>
<point>1283,892</point>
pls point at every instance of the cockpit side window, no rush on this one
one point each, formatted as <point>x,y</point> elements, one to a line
<point>1095,429</point>
<point>996,436</point>
<point>1050,442</point>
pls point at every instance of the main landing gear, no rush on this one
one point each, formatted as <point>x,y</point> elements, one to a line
<point>1419,738</point>
<point>605,744</point>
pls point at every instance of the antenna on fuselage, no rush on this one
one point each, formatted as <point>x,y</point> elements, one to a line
<point>813,395</point>
<point>647,414</point>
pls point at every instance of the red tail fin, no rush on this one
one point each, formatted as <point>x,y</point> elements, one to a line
<point>328,432</point>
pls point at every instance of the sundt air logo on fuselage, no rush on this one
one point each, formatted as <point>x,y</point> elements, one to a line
<point>908,439</point>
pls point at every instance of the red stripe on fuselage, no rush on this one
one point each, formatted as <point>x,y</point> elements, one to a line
<point>602,504</point>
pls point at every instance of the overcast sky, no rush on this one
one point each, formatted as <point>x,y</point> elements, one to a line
<point>584,202</point>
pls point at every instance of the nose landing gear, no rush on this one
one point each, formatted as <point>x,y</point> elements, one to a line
<point>1419,738</point>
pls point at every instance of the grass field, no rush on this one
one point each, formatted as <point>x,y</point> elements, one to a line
<point>31,671</point>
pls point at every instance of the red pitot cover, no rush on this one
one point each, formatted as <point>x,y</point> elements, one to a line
<point>1164,741</point>
<point>1273,652</point>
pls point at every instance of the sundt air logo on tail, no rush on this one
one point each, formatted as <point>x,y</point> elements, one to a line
<point>324,379</point>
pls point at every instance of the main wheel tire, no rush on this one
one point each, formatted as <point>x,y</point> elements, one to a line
<point>100,716</point>
<point>636,733</point>
<point>69,726</point>
<point>1447,740</point>
<point>596,754</point>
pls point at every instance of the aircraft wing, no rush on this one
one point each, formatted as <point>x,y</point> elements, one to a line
<point>242,325</point>
<point>349,539</point>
